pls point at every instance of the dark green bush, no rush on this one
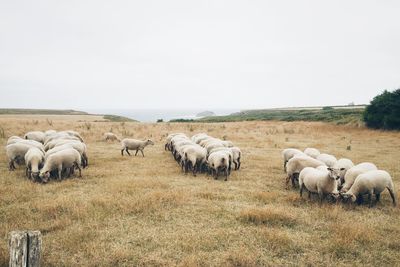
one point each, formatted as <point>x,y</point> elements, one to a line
<point>384,111</point>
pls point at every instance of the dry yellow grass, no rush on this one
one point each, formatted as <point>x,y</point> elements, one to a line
<point>143,211</point>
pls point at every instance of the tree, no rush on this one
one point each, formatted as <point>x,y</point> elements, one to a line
<point>384,111</point>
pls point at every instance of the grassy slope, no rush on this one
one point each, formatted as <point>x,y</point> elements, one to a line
<point>142,211</point>
<point>338,116</point>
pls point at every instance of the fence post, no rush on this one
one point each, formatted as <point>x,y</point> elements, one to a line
<point>25,248</point>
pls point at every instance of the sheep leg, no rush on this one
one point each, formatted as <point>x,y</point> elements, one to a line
<point>226,174</point>
<point>80,171</point>
<point>137,150</point>
<point>59,173</point>
<point>27,173</point>
<point>127,151</point>
<point>194,169</point>
<point>236,164</point>
<point>122,151</point>
<point>377,198</point>
<point>11,165</point>
<point>301,190</point>
<point>142,152</point>
<point>284,165</point>
<point>309,195</point>
<point>370,199</point>
<point>239,163</point>
<point>392,195</point>
<point>321,196</point>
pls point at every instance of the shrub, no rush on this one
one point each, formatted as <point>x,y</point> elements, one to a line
<point>384,111</point>
<point>160,120</point>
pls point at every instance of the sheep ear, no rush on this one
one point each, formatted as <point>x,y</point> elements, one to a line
<point>342,169</point>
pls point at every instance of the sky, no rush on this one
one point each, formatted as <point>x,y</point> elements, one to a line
<point>215,54</point>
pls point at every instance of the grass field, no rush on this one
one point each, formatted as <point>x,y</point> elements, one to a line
<point>143,211</point>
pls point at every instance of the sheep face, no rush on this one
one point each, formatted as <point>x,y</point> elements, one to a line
<point>347,197</point>
<point>149,142</point>
<point>335,173</point>
<point>44,176</point>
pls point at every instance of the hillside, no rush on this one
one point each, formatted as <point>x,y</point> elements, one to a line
<point>340,115</point>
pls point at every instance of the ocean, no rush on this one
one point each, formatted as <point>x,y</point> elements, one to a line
<point>152,115</point>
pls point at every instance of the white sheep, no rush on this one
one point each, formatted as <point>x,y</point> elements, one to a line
<point>217,162</point>
<point>371,182</point>
<point>318,181</point>
<point>329,160</point>
<point>78,146</point>
<point>35,135</point>
<point>169,139</point>
<point>341,167</point>
<point>111,137</point>
<point>296,164</point>
<point>197,138</point>
<point>27,142</point>
<point>16,154</point>
<point>134,144</point>
<point>289,153</point>
<point>312,152</point>
<point>13,139</point>
<point>67,159</point>
<point>34,159</point>
<point>194,157</point>
<point>355,171</point>
<point>50,132</point>
<point>61,140</point>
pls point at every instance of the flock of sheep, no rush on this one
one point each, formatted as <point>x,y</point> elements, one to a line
<point>54,154</point>
<point>203,153</point>
<point>325,175</point>
<point>47,154</point>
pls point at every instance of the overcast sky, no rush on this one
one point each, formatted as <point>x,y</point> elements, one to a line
<point>196,54</point>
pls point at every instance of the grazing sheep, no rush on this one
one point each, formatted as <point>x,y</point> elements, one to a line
<point>16,154</point>
<point>111,136</point>
<point>169,139</point>
<point>67,159</point>
<point>227,143</point>
<point>289,153</point>
<point>13,139</point>
<point>217,162</point>
<point>197,138</point>
<point>296,164</point>
<point>312,152</point>
<point>78,146</point>
<point>134,144</point>
<point>318,181</point>
<point>50,132</point>
<point>27,142</point>
<point>329,160</point>
<point>194,156</point>
<point>60,141</point>
<point>75,134</point>
<point>355,171</point>
<point>35,135</point>
<point>34,159</point>
<point>340,169</point>
<point>371,182</point>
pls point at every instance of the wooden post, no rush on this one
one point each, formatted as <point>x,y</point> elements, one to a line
<point>25,247</point>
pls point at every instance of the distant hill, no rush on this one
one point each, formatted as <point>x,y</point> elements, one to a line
<point>205,114</point>
<point>338,115</point>
<point>17,111</point>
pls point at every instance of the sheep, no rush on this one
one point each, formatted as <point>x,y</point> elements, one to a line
<point>16,154</point>
<point>312,152</point>
<point>34,159</point>
<point>134,144</point>
<point>27,142</point>
<point>35,135</point>
<point>341,167</point>
<point>296,164</point>
<point>353,172</point>
<point>74,133</point>
<point>57,141</point>
<point>194,156</point>
<point>169,139</point>
<point>67,159</point>
<point>226,150</point>
<point>197,138</point>
<point>329,160</point>
<point>371,182</point>
<point>49,132</point>
<point>13,139</point>
<point>289,153</point>
<point>111,136</point>
<point>227,143</point>
<point>236,155</point>
<point>78,146</point>
<point>219,161</point>
<point>318,181</point>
